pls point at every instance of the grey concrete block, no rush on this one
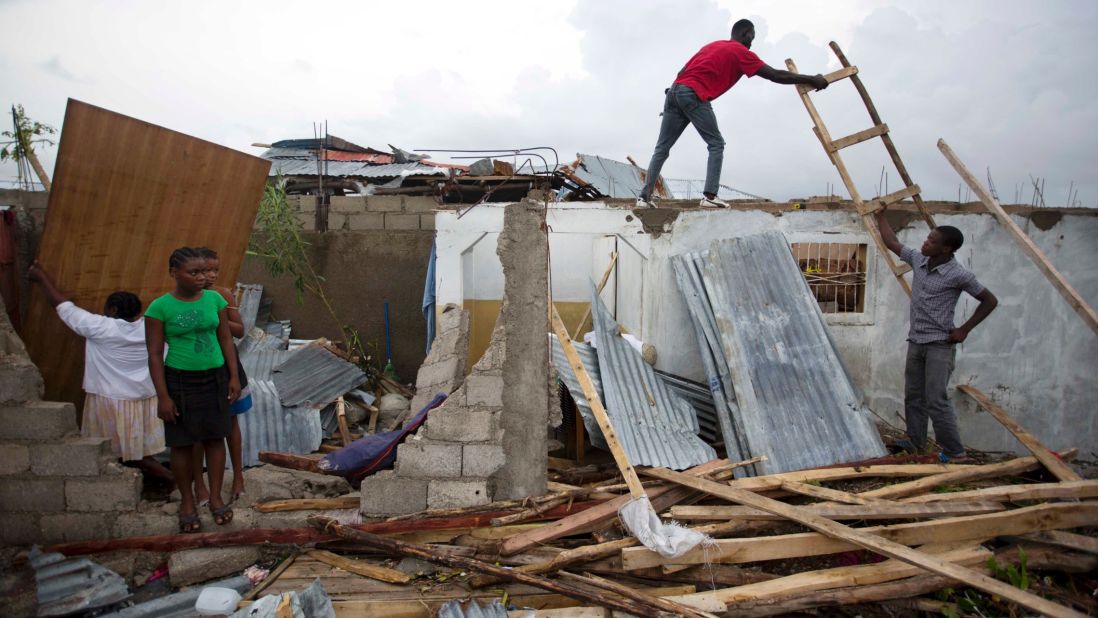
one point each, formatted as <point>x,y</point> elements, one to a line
<point>444,371</point>
<point>484,390</point>
<point>75,456</point>
<point>481,460</point>
<point>304,203</point>
<point>19,529</point>
<point>384,203</point>
<point>37,420</point>
<point>347,204</point>
<point>19,381</point>
<point>149,523</point>
<point>307,220</point>
<point>423,459</point>
<point>427,221</point>
<point>461,424</point>
<point>337,221</point>
<point>32,495</point>
<point>192,566</point>
<point>419,203</point>
<point>387,494</point>
<point>399,221</point>
<point>14,459</point>
<point>366,221</point>
<point>115,493</point>
<point>442,494</point>
<point>68,527</point>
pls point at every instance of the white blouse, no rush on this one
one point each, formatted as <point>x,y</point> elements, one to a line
<point>116,362</point>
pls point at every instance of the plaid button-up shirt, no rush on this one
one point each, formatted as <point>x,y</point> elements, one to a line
<point>934,294</point>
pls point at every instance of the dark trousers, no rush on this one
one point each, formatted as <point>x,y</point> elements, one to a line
<point>926,377</point>
<point>682,107</point>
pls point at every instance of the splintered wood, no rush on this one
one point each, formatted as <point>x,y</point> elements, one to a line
<point>907,530</point>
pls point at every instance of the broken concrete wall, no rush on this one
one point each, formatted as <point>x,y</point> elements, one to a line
<point>444,368</point>
<point>1034,355</point>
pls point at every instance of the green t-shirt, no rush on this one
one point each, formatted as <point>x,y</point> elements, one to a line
<point>190,330</point>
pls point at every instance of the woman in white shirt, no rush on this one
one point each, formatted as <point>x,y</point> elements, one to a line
<point>120,401</point>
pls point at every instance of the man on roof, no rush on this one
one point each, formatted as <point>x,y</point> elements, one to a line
<point>706,76</point>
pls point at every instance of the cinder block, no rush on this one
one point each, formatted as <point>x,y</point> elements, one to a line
<point>387,494</point>
<point>19,529</point>
<point>305,203</point>
<point>366,221</point>
<point>149,523</point>
<point>115,493</point>
<point>307,220</point>
<point>419,203</point>
<point>20,380</point>
<point>384,203</point>
<point>427,221</point>
<point>481,460</point>
<point>445,371</point>
<point>337,221</point>
<point>14,459</point>
<point>484,390</point>
<point>455,494</point>
<point>423,459</point>
<point>347,204</point>
<point>461,424</point>
<point>32,495</point>
<point>75,456</point>
<point>191,566</point>
<point>399,221</point>
<point>37,420</point>
<point>68,527</point>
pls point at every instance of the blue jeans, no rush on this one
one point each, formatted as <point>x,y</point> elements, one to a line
<point>926,377</point>
<point>680,108</point>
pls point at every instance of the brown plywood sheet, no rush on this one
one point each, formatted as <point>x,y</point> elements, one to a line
<point>125,194</point>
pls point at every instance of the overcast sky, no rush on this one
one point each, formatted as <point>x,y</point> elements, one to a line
<point>1007,83</point>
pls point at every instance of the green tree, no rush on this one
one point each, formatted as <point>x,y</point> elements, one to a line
<point>20,143</point>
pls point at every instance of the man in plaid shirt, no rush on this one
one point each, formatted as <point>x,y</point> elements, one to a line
<point>937,282</point>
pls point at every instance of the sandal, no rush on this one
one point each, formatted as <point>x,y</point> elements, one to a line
<point>189,524</point>
<point>222,515</point>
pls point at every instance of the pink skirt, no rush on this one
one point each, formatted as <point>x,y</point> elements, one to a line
<point>132,425</point>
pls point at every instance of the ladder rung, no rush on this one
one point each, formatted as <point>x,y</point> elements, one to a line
<point>878,203</point>
<point>859,137</point>
<point>831,78</point>
<point>901,269</point>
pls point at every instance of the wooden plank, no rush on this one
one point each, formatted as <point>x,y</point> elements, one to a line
<point>308,504</point>
<point>1066,540</point>
<point>859,137</point>
<point>880,510</point>
<point>842,73</point>
<point>1015,493</point>
<point>578,332</point>
<point>272,577</point>
<point>989,471</point>
<point>949,530</point>
<point>1070,294</point>
<point>774,481</point>
<point>1050,460</point>
<point>341,419</point>
<point>896,197</point>
<point>125,194</point>
<point>671,607</point>
<point>823,579</point>
<point>881,545</point>
<point>359,567</point>
<point>593,401</point>
<point>826,493</point>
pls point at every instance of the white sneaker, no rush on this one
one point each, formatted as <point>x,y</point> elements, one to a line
<point>715,202</point>
<point>645,203</point>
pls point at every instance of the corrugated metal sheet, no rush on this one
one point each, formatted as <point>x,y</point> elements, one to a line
<point>564,369</point>
<point>315,377</point>
<point>259,363</point>
<point>797,403</point>
<point>68,586</point>
<point>655,426</point>
<point>699,398</point>
<point>611,178</point>
<point>298,167</point>
<point>330,155</point>
<point>270,426</point>
<point>249,296</point>
<point>456,609</point>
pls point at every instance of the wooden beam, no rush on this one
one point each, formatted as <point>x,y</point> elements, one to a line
<point>270,579</point>
<point>308,504</point>
<point>1070,294</point>
<point>578,332</point>
<point>989,471</point>
<point>359,567</point>
<point>341,419</point>
<point>671,607</point>
<point>877,203</point>
<point>774,481</point>
<point>884,510</point>
<point>1050,460</point>
<point>859,137</point>
<point>880,545</point>
<point>1067,540</point>
<point>825,493</point>
<point>1015,493</point>
<point>949,530</point>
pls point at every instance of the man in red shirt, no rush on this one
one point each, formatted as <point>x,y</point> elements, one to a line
<point>709,74</point>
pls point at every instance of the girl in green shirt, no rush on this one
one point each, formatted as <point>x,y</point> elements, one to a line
<point>196,382</point>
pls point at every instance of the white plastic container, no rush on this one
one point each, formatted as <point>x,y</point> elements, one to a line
<point>214,601</point>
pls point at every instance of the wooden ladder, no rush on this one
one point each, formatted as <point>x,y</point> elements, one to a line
<point>832,148</point>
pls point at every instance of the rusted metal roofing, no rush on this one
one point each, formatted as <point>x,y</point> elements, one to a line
<point>796,401</point>
<point>315,377</point>
<point>656,427</point>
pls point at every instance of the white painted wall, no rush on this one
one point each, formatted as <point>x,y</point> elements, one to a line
<point>1033,355</point>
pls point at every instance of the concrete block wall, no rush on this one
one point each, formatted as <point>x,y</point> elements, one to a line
<point>55,485</point>
<point>444,368</point>
<point>358,213</point>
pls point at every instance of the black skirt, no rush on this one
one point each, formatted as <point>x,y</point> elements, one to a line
<point>202,401</point>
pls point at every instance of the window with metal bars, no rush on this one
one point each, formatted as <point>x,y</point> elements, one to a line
<point>836,274</point>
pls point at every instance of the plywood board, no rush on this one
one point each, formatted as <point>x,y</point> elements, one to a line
<point>125,194</point>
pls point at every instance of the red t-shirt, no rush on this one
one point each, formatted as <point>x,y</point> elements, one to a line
<point>717,67</point>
